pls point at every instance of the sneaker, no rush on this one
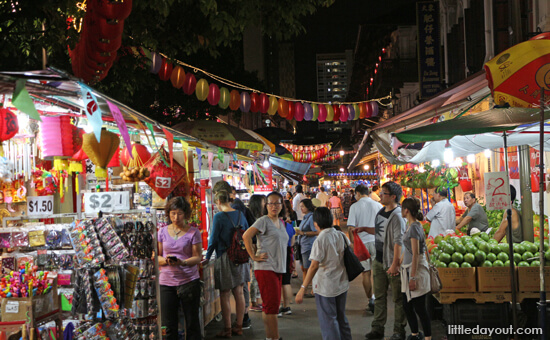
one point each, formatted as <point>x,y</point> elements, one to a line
<point>257,308</point>
<point>247,323</point>
<point>371,305</point>
<point>285,311</point>
<point>374,335</point>
<point>419,336</point>
<point>397,336</point>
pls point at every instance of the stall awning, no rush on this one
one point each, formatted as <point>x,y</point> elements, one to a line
<point>297,167</point>
<point>458,96</point>
<point>488,121</point>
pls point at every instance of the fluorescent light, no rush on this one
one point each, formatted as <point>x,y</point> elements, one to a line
<point>487,153</point>
<point>436,163</point>
<point>471,158</point>
<point>448,155</point>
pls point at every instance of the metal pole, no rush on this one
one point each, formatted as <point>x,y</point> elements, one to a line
<point>542,302</point>
<point>510,245</point>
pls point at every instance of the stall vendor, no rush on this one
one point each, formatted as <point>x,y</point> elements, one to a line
<point>474,216</point>
<point>517,230</point>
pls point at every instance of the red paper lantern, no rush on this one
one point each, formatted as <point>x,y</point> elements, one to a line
<point>368,110</point>
<point>8,124</point>
<point>165,70</point>
<point>264,103</point>
<point>119,10</point>
<point>189,84</point>
<point>213,94</point>
<point>137,149</point>
<point>336,110</point>
<point>299,111</point>
<point>291,109</point>
<point>115,161</point>
<point>254,102</point>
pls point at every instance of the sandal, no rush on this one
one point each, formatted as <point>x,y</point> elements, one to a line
<point>226,333</point>
<point>237,330</point>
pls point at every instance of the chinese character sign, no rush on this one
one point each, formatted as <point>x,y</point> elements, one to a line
<point>513,162</point>
<point>260,187</point>
<point>497,190</point>
<point>427,19</point>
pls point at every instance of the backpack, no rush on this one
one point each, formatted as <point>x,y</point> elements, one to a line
<point>237,251</point>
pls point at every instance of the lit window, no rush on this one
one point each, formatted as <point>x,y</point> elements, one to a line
<point>328,90</point>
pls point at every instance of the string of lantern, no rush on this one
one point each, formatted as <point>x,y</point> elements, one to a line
<point>352,174</point>
<point>255,101</point>
<point>307,153</point>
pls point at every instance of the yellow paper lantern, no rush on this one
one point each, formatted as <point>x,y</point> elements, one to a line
<point>100,153</point>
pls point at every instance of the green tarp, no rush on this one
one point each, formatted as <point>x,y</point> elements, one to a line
<point>487,121</point>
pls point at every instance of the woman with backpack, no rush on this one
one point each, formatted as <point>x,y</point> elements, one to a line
<point>228,276</point>
<point>269,259</point>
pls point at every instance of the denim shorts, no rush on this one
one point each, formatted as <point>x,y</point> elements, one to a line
<point>306,263</point>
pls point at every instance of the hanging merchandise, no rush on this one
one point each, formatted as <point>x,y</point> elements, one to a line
<point>100,153</point>
<point>163,178</point>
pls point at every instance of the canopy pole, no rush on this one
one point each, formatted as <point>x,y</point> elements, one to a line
<point>511,243</point>
<point>542,302</point>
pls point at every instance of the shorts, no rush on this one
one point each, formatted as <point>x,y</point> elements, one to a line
<point>367,264</point>
<point>336,213</point>
<point>306,263</point>
<point>288,275</point>
<point>270,284</point>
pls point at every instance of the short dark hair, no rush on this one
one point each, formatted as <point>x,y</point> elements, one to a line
<point>512,193</point>
<point>471,194</point>
<point>233,188</point>
<point>178,203</point>
<point>334,193</point>
<point>362,189</point>
<point>283,209</point>
<point>375,187</point>
<point>322,189</point>
<point>308,204</point>
<point>222,196</point>
<point>299,188</point>
<point>394,189</point>
<point>323,217</point>
<point>221,185</point>
<point>442,191</point>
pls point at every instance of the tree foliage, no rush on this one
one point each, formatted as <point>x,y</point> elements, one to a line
<point>203,31</point>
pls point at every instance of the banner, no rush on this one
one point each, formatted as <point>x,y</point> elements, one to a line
<point>513,162</point>
<point>534,157</point>
<point>22,100</point>
<point>268,175</point>
<point>429,61</point>
<point>92,110</point>
<point>115,111</point>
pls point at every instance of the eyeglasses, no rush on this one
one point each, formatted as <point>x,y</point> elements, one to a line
<point>385,193</point>
<point>276,203</point>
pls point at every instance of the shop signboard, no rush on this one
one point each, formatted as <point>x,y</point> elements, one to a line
<point>429,60</point>
<point>268,174</point>
<point>534,156</point>
<point>110,201</point>
<point>497,190</point>
<point>513,162</point>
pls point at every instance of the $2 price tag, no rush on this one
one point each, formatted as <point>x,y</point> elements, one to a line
<point>95,202</point>
<point>163,182</point>
<point>39,205</point>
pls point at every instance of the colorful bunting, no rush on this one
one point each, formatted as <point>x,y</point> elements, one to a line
<point>93,112</point>
<point>23,101</point>
<point>115,111</point>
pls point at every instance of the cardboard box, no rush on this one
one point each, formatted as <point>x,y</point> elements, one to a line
<point>494,279</point>
<point>456,280</point>
<point>529,279</point>
<point>15,309</point>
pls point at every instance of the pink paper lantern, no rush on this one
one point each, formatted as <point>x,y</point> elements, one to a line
<point>51,137</point>
<point>298,111</point>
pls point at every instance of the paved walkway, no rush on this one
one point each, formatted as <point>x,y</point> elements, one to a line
<point>303,323</point>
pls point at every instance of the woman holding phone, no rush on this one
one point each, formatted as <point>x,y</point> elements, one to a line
<point>180,252</point>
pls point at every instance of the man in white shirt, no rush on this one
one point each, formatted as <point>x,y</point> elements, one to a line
<point>323,197</point>
<point>362,216</point>
<point>442,216</point>
<point>374,193</point>
<point>296,203</point>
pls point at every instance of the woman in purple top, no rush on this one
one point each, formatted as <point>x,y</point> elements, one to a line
<point>181,249</point>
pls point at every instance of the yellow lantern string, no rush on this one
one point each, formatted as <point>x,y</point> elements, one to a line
<point>76,188</point>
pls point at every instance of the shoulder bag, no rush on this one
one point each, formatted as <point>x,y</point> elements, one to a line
<point>435,280</point>
<point>353,266</point>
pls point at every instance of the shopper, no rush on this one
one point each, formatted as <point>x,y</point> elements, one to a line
<point>228,277</point>
<point>329,277</point>
<point>415,278</point>
<point>291,215</point>
<point>336,207</point>
<point>180,249</point>
<point>323,197</point>
<point>517,230</point>
<point>347,202</point>
<point>296,203</point>
<point>269,259</point>
<point>389,229</point>
<point>256,205</point>
<point>307,235</point>
<point>362,217</point>
<point>442,216</point>
<point>287,288</point>
<point>474,216</point>
<point>288,196</point>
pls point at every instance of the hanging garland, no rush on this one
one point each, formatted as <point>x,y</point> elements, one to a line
<point>307,153</point>
<point>255,101</point>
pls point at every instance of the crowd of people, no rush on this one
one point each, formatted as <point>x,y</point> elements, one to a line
<point>279,232</point>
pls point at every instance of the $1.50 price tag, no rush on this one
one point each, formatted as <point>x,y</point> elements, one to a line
<point>39,205</point>
<point>95,202</point>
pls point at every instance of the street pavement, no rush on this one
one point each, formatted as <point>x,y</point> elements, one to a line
<point>303,324</point>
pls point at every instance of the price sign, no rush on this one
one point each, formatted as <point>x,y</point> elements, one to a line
<point>163,182</point>
<point>39,205</point>
<point>12,307</point>
<point>497,190</point>
<point>95,202</point>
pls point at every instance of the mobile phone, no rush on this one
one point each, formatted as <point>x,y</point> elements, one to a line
<point>172,258</point>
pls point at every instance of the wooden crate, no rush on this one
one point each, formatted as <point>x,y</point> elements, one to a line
<point>494,279</point>
<point>496,297</point>
<point>529,279</point>
<point>456,280</point>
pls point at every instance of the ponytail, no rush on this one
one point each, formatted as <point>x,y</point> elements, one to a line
<point>413,206</point>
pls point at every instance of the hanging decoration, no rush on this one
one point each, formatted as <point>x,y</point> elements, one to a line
<point>100,39</point>
<point>139,155</point>
<point>307,153</point>
<point>100,153</point>
<point>56,136</point>
<point>8,126</point>
<point>251,100</point>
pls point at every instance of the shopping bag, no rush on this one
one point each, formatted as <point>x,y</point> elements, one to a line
<point>359,248</point>
<point>163,177</point>
<point>351,262</point>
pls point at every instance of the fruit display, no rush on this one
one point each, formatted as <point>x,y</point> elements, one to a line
<point>480,250</point>
<point>134,174</point>
<point>439,177</point>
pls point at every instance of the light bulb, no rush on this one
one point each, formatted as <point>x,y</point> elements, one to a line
<point>341,169</point>
<point>88,128</point>
<point>448,155</point>
<point>342,152</point>
<point>266,164</point>
<point>366,166</point>
<point>421,169</point>
<point>471,158</point>
<point>487,153</point>
<point>436,163</point>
